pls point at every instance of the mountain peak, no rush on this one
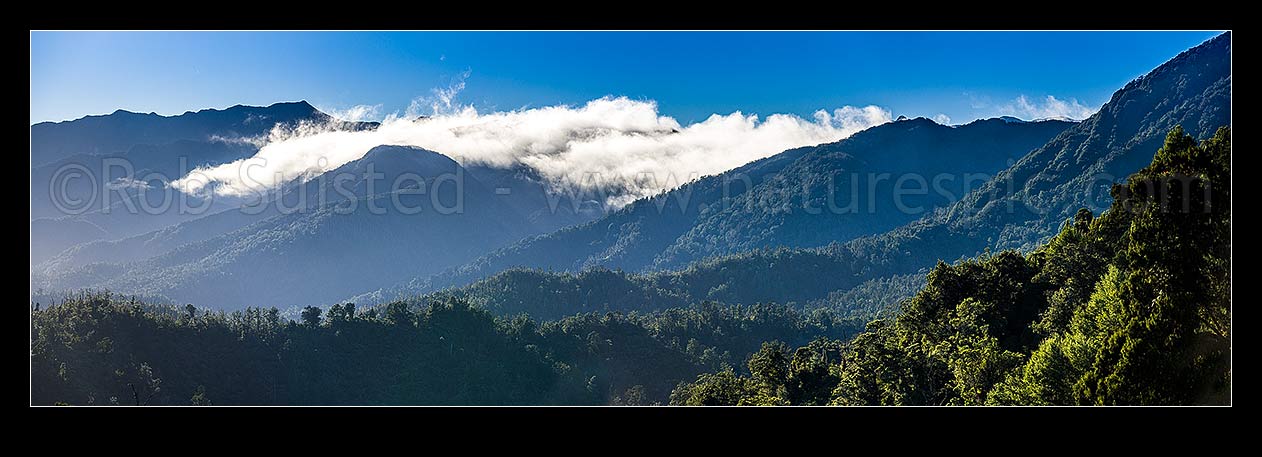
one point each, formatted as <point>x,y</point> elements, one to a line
<point>1217,46</point>
<point>917,119</point>
<point>387,150</point>
<point>404,158</point>
<point>123,112</point>
<point>300,104</point>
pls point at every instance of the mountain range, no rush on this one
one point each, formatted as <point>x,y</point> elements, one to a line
<point>762,204</point>
<point>804,197</point>
<point>864,213</point>
<point>1020,207</point>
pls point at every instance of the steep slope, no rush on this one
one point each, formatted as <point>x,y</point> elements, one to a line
<point>531,195</point>
<point>1026,204</point>
<point>827,197</point>
<point>795,198</point>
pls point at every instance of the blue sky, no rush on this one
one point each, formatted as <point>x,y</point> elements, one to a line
<point>963,76</point>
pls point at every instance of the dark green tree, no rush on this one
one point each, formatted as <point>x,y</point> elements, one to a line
<point>311,316</point>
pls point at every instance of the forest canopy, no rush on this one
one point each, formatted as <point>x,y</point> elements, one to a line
<point>1129,308</point>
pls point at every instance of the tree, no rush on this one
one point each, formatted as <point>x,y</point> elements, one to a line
<point>769,368</point>
<point>1155,327</point>
<point>720,389</point>
<point>147,386</point>
<point>311,316</point>
<point>398,313</point>
<point>199,397</point>
<point>812,376</point>
<point>634,396</point>
<point>1132,307</point>
<point>341,314</point>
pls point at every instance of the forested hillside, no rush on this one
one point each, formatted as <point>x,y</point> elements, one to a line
<point>1129,308</point>
<point>778,276</point>
<point>96,348</point>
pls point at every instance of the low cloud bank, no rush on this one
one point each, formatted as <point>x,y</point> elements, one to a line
<point>608,143</point>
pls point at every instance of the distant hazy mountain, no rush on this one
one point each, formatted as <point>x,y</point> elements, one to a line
<point>1073,170</point>
<point>102,160</point>
<point>800,198</point>
<point>136,162</point>
<point>120,130</point>
<point>357,237</point>
<point>114,197</point>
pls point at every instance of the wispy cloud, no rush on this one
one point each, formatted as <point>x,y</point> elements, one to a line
<point>355,113</point>
<point>607,140</point>
<point>442,99</point>
<point>128,183</point>
<point>1047,108</point>
<point>942,119</point>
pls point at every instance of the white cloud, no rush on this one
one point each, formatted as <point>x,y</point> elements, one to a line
<point>128,183</point>
<point>442,101</point>
<point>608,142</point>
<point>1050,108</point>
<point>355,113</point>
<point>942,119</point>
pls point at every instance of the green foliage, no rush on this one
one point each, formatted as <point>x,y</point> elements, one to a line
<point>769,367</point>
<point>720,389</point>
<point>815,278</point>
<point>311,316</point>
<point>1132,307</point>
<point>97,348</point>
<point>776,378</point>
<point>1156,330</point>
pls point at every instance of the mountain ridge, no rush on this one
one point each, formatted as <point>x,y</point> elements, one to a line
<point>1191,89</point>
<point>118,131</point>
<point>639,235</point>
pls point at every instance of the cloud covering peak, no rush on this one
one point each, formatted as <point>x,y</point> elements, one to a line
<point>611,142</point>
